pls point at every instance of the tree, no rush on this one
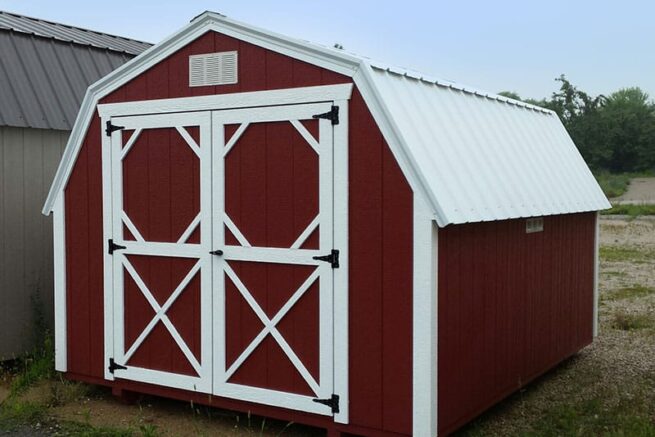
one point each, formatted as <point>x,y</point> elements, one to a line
<point>615,133</point>
<point>628,130</point>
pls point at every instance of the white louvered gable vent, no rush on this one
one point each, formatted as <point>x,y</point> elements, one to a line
<point>213,69</point>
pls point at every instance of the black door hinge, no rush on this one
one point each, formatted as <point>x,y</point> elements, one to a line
<point>111,128</point>
<point>217,252</point>
<point>332,402</point>
<point>113,246</point>
<point>332,258</point>
<point>114,366</point>
<point>332,115</point>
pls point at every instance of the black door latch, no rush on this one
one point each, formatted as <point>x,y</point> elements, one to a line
<point>217,252</point>
<point>332,258</point>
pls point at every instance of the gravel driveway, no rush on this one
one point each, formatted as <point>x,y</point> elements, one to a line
<point>640,191</point>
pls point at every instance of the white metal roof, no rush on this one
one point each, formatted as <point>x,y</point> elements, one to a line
<point>474,156</point>
<point>484,157</point>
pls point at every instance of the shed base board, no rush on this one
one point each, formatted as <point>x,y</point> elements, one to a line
<point>332,428</point>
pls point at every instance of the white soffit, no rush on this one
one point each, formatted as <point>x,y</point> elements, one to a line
<point>475,156</point>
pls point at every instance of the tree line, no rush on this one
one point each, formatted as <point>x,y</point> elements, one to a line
<point>614,133</point>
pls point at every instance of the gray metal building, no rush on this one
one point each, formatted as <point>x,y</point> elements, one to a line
<point>45,69</point>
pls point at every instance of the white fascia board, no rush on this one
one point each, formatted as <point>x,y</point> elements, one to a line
<point>366,85</point>
<point>322,57</point>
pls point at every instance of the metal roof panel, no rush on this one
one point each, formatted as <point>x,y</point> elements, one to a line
<point>63,32</point>
<point>486,158</point>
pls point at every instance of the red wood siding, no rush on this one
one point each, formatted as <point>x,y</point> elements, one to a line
<point>511,306</point>
<point>380,215</point>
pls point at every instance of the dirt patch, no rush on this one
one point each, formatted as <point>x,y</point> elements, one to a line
<point>70,405</point>
<point>640,191</point>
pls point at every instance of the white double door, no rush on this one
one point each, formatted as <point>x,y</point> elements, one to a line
<point>221,253</point>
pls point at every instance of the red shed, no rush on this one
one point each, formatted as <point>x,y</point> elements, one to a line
<point>257,223</point>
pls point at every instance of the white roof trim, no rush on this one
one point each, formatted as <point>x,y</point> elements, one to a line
<point>361,70</point>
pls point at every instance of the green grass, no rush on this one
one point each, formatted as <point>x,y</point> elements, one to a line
<point>35,367</point>
<point>632,322</point>
<point>626,254</point>
<point>632,292</point>
<point>16,414</point>
<point>630,210</point>
<point>613,185</point>
<point>592,418</point>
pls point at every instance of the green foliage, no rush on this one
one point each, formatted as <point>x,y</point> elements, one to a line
<point>613,184</point>
<point>35,367</point>
<point>14,414</point>
<point>630,210</point>
<point>614,133</point>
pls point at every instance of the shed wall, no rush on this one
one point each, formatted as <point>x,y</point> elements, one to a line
<point>511,306</point>
<point>28,161</point>
<point>380,249</point>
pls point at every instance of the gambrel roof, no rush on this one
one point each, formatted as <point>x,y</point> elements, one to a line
<point>472,155</point>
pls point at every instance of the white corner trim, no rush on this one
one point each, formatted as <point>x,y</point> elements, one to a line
<point>59,246</point>
<point>425,336</point>
<point>288,96</point>
<point>596,272</point>
<point>340,223</point>
<point>382,116</point>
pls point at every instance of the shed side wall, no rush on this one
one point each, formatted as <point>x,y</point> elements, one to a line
<point>511,306</point>
<point>380,251</point>
<point>28,161</point>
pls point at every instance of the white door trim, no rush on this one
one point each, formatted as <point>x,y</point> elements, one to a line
<point>287,96</point>
<point>324,388</point>
<point>115,265</point>
<point>334,94</point>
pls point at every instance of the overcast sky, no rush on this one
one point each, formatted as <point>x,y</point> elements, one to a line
<point>518,45</point>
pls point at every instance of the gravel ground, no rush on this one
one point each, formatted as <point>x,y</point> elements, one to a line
<point>640,191</point>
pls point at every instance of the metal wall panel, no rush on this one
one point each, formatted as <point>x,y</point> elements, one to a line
<point>28,161</point>
<point>484,157</point>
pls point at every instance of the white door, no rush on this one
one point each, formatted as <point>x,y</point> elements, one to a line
<point>274,262</point>
<point>160,243</point>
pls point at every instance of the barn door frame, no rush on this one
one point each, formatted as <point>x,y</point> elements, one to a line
<point>116,262</point>
<point>339,95</point>
<point>324,146</point>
